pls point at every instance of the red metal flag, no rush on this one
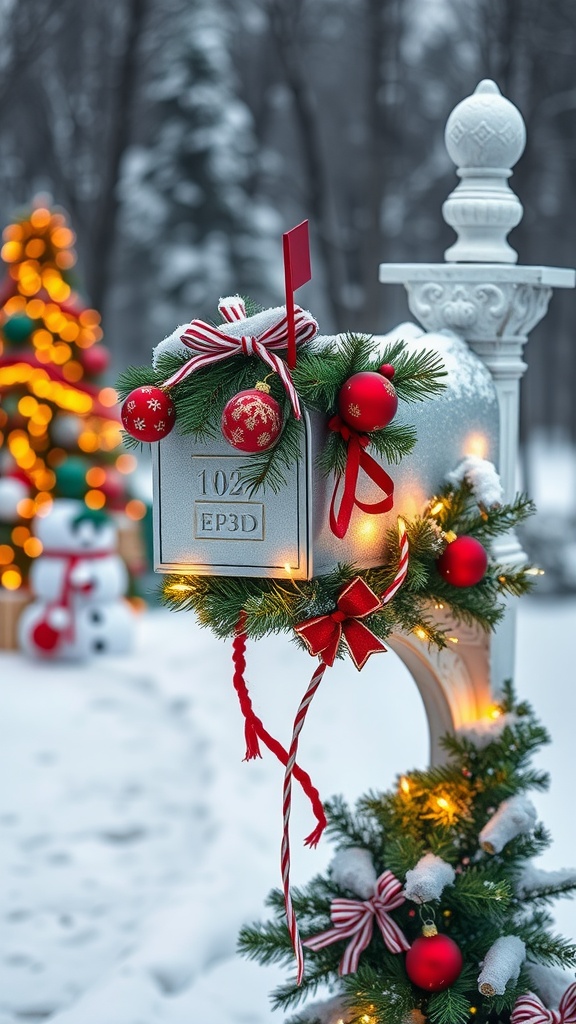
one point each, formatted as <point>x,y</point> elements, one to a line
<point>297,271</point>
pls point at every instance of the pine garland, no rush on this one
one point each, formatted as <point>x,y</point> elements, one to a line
<point>318,377</point>
<point>484,903</point>
<point>275,606</point>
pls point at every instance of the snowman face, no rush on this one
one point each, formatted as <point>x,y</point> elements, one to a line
<point>72,528</point>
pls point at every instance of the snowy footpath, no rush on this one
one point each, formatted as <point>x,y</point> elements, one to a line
<point>135,843</point>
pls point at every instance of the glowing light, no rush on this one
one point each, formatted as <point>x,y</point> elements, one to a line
<point>73,371</point>
<point>495,712</point>
<point>135,509</point>
<point>126,463</point>
<point>453,639</point>
<point>65,259</point>
<point>26,508</point>
<point>20,535</point>
<point>88,441</point>
<point>434,511</point>
<point>42,339</point>
<point>35,247</point>
<point>472,1009</point>
<point>95,499</point>
<point>33,547</point>
<point>11,579</point>
<point>476,444</point>
<point>12,232</point>
<point>288,568</point>
<point>179,588</point>
<point>40,217</point>
<point>534,571</point>
<point>35,308</point>
<point>62,238</point>
<point>70,331</point>
<point>404,785</point>
<point>16,304</point>
<point>6,554</point>
<point>89,318</point>
<point>96,476</point>
<point>108,397</point>
<point>420,633</point>
<point>11,251</point>
<point>368,529</point>
<point>450,536</point>
<point>27,406</point>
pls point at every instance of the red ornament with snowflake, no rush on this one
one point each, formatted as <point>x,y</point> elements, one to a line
<point>368,401</point>
<point>434,961</point>
<point>148,414</point>
<point>252,420</point>
<point>463,563</point>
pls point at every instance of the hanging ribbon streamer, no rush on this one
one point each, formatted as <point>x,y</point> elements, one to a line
<point>213,344</point>
<point>322,635</point>
<point>529,1009</point>
<point>354,920</point>
<point>357,458</point>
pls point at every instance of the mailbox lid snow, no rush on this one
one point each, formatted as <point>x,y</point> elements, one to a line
<point>205,524</point>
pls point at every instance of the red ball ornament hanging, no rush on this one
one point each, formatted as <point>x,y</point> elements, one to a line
<point>463,563</point>
<point>368,401</point>
<point>148,414</point>
<point>252,420</point>
<point>434,961</point>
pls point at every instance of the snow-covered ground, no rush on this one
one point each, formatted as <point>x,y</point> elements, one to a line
<point>135,842</point>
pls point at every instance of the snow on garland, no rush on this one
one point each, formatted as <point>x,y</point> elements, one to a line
<point>514,817</point>
<point>502,964</point>
<point>428,879</point>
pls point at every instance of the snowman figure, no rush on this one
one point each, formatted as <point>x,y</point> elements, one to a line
<point>78,582</point>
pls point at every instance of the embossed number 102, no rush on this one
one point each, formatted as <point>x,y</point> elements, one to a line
<point>219,483</point>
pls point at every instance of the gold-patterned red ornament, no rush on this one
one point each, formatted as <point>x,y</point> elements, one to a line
<point>368,400</point>
<point>252,420</point>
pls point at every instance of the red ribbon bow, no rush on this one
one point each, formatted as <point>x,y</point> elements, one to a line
<point>354,920</point>
<point>529,1009</point>
<point>357,458</point>
<point>323,633</point>
<point>214,344</point>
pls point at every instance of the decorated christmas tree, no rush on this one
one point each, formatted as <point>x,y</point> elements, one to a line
<point>59,430</point>
<point>432,907</point>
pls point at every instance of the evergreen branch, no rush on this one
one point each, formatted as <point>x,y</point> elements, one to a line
<point>449,1007</point>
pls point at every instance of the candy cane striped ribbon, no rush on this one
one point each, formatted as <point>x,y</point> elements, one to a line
<point>354,920</point>
<point>314,838</point>
<point>529,1009</point>
<point>402,570</point>
<point>214,344</point>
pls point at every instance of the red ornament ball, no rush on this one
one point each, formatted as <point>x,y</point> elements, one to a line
<point>463,563</point>
<point>148,414</point>
<point>367,401</point>
<point>96,360</point>
<point>433,962</point>
<point>45,638</point>
<point>252,421</point>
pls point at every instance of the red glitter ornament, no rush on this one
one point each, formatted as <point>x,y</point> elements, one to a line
<point>463,563</point>
<point>434,961</point>
<point>252,420</point>
<point>148,414</point>
<point>367,401</point>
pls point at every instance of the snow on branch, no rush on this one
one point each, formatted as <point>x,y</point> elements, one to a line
<point>428,879</point>
<point>502,964</point>
<point>514,817</point>
<point>482,477</point>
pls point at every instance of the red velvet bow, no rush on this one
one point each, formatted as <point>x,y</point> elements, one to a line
<point>529,1009</point>
<point>357,458</point>
<point>354,920</point>
<point>323,633</point>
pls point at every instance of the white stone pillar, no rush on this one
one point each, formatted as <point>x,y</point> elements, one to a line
<point>479,294</point>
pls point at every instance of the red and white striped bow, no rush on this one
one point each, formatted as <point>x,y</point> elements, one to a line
<point>354,920</point>
<point>214,344</point>
<point>529,1009</point>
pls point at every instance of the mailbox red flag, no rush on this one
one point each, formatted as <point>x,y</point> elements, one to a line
<point>297,271</point>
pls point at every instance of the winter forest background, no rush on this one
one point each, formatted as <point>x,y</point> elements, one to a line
<point>183,136</point>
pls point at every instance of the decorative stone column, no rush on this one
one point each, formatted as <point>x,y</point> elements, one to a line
<point>479,294</point>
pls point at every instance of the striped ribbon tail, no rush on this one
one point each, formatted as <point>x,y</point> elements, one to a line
<point>313,838</point>
<point>402,570</point>
<point>529,1009</point>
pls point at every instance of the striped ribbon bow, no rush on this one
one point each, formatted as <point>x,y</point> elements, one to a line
<point>214,344</point>
<point>529,1009</point>
<point>354,920</point>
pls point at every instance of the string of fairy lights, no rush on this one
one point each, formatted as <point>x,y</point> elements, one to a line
<point>49,358</point>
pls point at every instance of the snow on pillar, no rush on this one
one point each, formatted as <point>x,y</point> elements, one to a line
<point>480,294</point>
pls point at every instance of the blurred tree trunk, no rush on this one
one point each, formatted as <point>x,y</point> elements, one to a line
<point>99,267</point>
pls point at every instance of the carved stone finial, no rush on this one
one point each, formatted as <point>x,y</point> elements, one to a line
<point>485,136</point>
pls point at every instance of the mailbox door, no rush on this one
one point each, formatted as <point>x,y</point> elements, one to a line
<point>206,524</point>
